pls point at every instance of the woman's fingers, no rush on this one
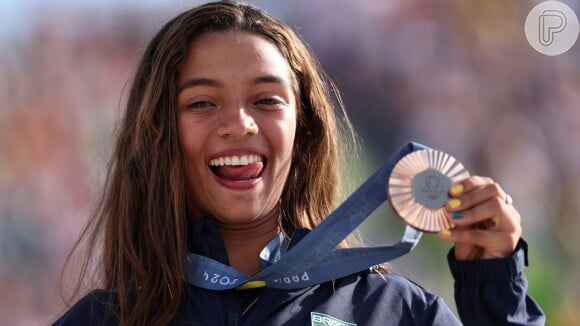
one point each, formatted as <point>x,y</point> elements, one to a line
<point>491,210</point>
<point>477,199</point>
<point>474,190</point>
<point>486,224</point>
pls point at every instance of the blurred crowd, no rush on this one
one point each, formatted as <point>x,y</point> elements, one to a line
<point>454,75</point>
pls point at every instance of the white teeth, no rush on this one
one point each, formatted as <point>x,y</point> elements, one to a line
<point>235,160</point>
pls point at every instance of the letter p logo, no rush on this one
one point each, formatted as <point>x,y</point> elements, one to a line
<point>551,28</point>
<point>551,22</point>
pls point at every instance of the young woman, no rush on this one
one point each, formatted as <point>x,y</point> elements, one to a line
<point>230,138</point>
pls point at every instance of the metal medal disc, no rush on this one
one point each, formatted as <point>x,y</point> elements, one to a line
<point>419,185</point>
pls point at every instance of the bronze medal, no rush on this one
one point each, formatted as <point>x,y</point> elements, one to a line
<point>418,188</point>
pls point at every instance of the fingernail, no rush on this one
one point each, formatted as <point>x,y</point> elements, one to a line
<point>457,215</point>
<point>454,203</point>
<point>446,232</point>
<point>456,189</point>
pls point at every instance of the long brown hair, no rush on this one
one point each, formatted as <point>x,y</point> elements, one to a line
<point>139,228</point>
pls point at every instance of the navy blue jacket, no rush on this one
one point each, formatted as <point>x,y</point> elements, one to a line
<point>487,292</point>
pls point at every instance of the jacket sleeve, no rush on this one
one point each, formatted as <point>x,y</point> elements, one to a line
<point>495,291</point>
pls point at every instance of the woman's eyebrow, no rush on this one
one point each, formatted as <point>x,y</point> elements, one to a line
<point>271,79</point>
<point>192,82</point>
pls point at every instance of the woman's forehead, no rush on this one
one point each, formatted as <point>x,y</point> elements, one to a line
<point>216,52</point>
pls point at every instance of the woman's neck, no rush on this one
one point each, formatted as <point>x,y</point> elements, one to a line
<point>244,242</point>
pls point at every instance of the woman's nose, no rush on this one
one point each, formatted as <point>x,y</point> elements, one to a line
<point>237,122</point>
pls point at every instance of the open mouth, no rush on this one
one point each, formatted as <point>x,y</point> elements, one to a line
<point>238,167</point>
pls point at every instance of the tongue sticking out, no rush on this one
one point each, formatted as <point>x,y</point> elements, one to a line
<point>239,172</point>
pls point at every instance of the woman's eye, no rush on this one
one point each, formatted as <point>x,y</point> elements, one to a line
<point>269,101</point>
<point>200,105</point>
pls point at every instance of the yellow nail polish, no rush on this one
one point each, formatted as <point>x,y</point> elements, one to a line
<point>446,232</point>
<point>454,203</point>
<point>456,189</point>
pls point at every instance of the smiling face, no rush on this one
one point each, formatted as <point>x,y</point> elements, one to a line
<point>237,122</point>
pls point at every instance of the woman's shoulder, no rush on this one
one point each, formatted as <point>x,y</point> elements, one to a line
<point>98,307</point>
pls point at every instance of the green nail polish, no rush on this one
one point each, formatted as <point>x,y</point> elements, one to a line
<point>457,215</point>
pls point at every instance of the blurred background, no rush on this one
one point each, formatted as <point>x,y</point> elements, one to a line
<point>452,74</point>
